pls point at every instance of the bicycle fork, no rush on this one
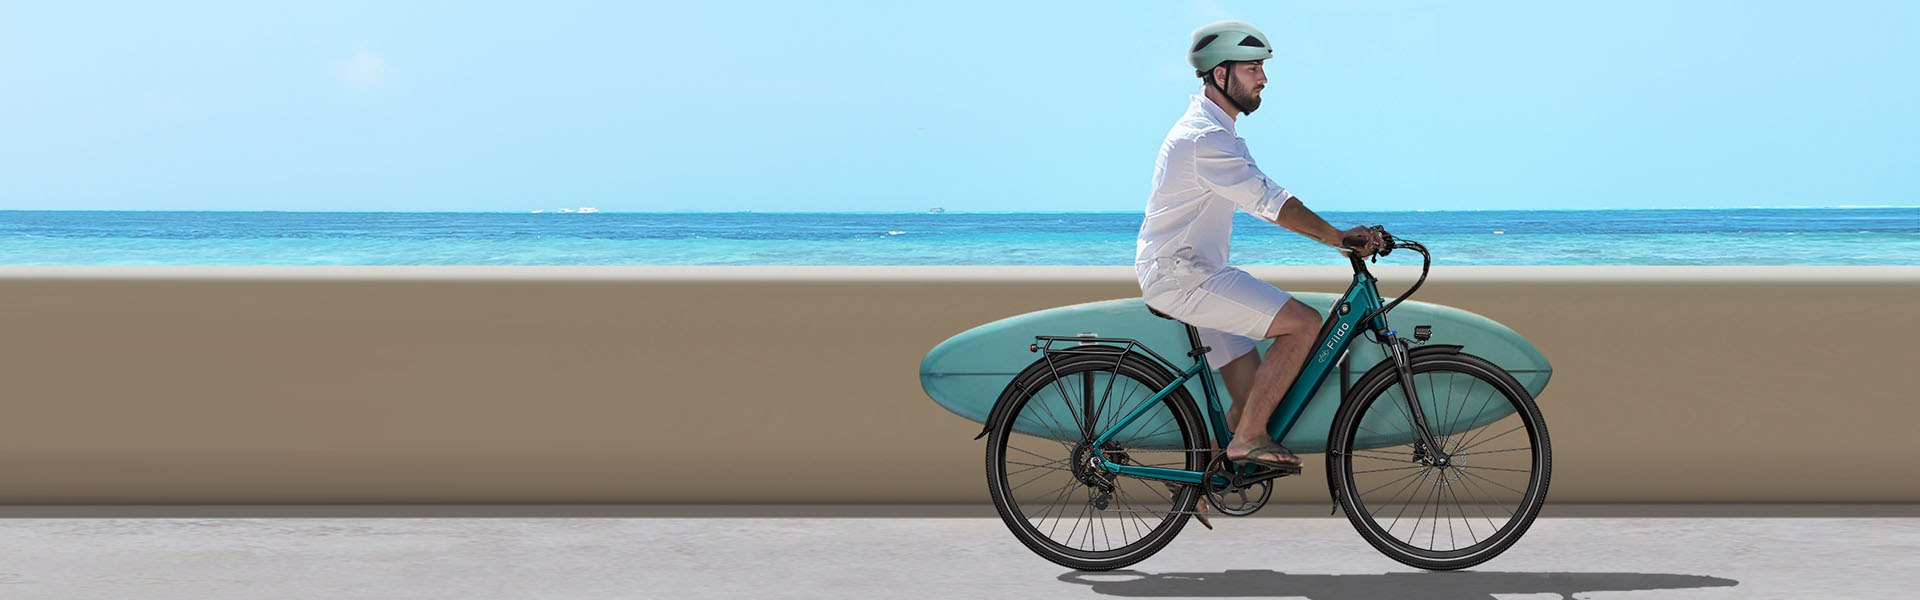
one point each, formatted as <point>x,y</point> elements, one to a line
<point>1404,369</point>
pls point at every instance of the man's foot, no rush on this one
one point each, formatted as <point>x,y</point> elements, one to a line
<point>1270,454</point>
<point>1199,508</point>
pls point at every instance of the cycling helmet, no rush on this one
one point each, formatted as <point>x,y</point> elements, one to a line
<point>1227,41</point>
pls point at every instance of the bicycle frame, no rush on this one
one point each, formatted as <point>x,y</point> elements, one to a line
<point>1336,335</point>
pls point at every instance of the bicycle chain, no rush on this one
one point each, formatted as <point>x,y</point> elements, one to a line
<point>1169,512</point>
<point>1151,512</point>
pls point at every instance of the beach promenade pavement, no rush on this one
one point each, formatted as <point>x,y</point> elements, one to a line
<point>471,554</point>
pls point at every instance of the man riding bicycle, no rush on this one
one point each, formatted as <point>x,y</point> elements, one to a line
<point>1204,172</point>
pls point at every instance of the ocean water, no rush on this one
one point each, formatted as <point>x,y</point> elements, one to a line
<point>1796,236</point>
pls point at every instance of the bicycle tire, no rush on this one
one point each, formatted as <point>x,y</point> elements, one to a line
<point>1363,443</point>
<point>1025,428</point>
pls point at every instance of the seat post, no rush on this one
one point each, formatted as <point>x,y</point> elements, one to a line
<point>1193,336</point>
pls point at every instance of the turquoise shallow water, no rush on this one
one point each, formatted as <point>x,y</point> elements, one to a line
<point>1847,236</point>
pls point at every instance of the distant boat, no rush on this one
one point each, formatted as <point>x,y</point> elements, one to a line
<point>936,209</point>
<point>539,211</point>
<point>565,210</point>
<point>587,209</point>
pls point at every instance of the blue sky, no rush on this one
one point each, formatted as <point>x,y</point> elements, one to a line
<point>990,106</point>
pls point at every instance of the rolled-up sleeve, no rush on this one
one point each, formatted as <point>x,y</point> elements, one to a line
<point>1221,166</point>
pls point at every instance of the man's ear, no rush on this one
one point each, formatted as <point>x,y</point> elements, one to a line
<point>1219,75</point>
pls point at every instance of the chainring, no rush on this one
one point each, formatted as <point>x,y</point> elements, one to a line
<point>1233,500</point>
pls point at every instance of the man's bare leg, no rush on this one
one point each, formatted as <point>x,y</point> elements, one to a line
<point>1239,374</point>
<point>1292,330</point>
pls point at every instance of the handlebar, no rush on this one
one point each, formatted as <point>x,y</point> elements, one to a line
<point>1358,242</point>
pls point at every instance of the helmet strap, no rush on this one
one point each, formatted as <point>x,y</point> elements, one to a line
<point>1228,80</point>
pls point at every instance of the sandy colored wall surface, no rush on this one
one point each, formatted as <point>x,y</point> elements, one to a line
<point>759,384</point>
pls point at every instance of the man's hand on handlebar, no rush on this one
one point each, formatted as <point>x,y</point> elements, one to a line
<point>1373,242</point>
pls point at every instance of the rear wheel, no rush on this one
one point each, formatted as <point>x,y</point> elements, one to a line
<point>1038,471</point>
<point>1429,513</point>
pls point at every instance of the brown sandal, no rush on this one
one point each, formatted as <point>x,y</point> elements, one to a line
<point>1274,448</point>
<point>1199,507</point>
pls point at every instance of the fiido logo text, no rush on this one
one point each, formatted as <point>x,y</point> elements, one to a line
<point>1332,341</point>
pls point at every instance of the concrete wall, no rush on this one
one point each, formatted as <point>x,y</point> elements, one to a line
<point>761,385</point>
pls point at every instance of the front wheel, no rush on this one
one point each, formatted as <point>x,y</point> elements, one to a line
<point>1432,511</point>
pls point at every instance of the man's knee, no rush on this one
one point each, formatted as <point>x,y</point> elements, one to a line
<point>1294,319</point>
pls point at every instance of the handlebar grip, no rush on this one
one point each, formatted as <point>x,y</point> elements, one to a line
<point>1354,241</point>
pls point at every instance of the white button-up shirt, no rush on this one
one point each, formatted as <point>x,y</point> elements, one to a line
<point>1203,174</point>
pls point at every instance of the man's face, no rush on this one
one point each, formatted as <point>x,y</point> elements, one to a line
<point>1243,88</point>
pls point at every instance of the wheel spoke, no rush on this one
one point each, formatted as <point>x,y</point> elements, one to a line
<point>1527,449</point>
<point>1420,483</point>
<point>1058,494</point>
<point>1483,478</point>
<point>1522,425</point>
<point>1058,465</point>
<point>1473,535</point>
<point>1060,430</point>
<point>1495,469</point>
<point>1065,493</point>
<point>1385,458</point>
<point>1469,487</point>
<point>1432,528</point>
<point>1455,416</point>
<point>1041,476</point>
<point>1469,397</point>
<point>1067,399</point>
<point>1125,404</point>
<point>1476,418</point>
<point>1391,469</point>
<point>1394,481</point>
<point>1037,455</point>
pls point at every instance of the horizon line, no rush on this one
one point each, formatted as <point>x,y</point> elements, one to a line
<point>923,212</point>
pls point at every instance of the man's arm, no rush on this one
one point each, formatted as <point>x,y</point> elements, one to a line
<point>1295,216</point>
<point>1226,172</point>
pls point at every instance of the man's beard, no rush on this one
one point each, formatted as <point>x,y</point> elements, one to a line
<point>1245,98</point>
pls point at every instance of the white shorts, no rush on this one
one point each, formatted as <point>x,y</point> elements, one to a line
<point>1231,308</point>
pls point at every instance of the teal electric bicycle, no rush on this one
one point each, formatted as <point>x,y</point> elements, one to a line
<point>1097,454</point>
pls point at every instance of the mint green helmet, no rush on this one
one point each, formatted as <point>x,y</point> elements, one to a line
<point>1227,41</point>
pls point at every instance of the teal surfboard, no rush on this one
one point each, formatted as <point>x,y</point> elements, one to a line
<point>966,373</point>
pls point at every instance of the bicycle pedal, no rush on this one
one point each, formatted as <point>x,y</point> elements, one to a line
<point>1269,473</point>
<point>1262,469</point>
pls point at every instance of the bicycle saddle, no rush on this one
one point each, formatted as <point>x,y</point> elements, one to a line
<point>1162,315</point>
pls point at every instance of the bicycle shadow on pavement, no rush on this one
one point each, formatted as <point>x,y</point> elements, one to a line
<point>1460,585</point>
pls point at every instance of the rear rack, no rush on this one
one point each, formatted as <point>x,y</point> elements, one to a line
<point>1044,344</point>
